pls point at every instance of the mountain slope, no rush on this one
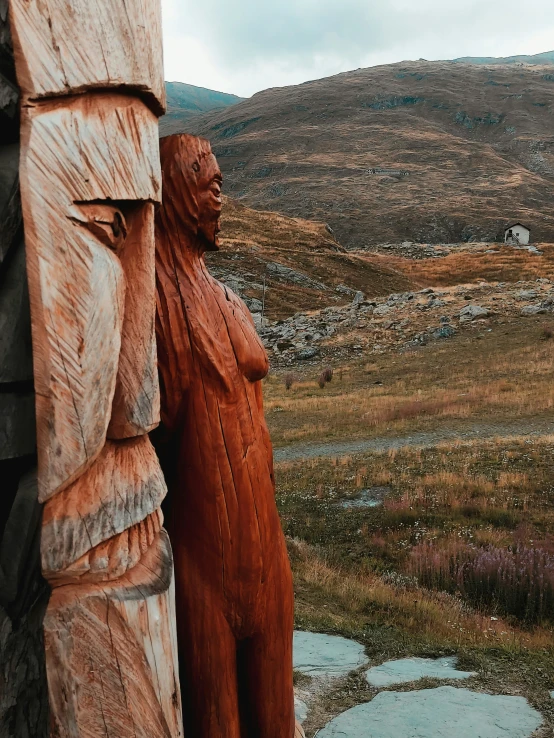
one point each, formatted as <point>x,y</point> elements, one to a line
<point>455,151</point>
<point>185,101</point>
<point>547,57</point>
<point>302,264</point>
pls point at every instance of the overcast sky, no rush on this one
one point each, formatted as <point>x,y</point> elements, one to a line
<point>242,46</point>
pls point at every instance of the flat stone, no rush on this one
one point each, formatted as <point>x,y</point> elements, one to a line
<point>533,310</point>
<point>372,497</point>
<point>410,670</point>
<point>445,712</point>
<point>318,654</point>
<point>300,709</point>
<point>470,312</point>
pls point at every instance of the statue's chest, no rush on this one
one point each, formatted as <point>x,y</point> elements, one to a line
<point>224,333</point>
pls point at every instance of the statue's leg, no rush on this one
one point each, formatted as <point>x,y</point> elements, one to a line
<point>207,661</point>
<point>268,664</point>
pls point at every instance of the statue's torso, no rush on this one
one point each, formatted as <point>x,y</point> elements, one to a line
<point>224,514</point>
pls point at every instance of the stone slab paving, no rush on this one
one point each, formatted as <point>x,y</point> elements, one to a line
<point>321,655</point>
<point>410,670</point>
<point>445,712</point>
<point>300,709</point>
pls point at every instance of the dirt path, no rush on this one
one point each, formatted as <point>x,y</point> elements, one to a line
<point>484,431</point>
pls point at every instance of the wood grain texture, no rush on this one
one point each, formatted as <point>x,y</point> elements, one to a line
<point>104,680</point>
<point>153,623</point>
<point>113,558</point>
<point>233,580</point>
<point>136,405</point>
<point>74,45</point>
<point>91,80</point>
<point>89,150</point>
<point>122,488</point>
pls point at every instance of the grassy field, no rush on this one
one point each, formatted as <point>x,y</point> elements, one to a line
<point>495,375</point>
<point>354,566</point>
<point>474,262</point>
<point>456,553</point>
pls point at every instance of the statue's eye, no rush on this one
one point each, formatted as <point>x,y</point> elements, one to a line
<point>105,221</point>
<point>196,166</point>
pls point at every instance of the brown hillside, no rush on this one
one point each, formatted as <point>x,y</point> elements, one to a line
<point>255,243</point>
<point>476,142</point>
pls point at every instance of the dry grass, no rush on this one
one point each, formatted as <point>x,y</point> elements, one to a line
<point>471,264</point>
<point>464,380</point>
<point>437,618</point>
<point>252,238</point>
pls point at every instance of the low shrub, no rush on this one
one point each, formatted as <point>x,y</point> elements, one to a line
<point>518,581</point>
<point>289,380</point>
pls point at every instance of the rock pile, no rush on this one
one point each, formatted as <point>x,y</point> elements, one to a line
<point>402,321</point>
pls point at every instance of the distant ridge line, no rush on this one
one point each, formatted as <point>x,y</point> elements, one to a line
<point>546,57</point>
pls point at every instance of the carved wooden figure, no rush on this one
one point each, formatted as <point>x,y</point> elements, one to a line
<point>233,579</point>
<point>91,83</point>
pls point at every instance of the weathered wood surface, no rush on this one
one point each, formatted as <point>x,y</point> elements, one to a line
<point>89,150</point>
<point>92,85</point>
<point>87,513</point>
<point>136,405</point>
<point>78,45</point>
<point>110,650</point>
<point>233,580</point>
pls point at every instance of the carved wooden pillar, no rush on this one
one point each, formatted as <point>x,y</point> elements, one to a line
<point>92,89</point>
<point>23,592</point>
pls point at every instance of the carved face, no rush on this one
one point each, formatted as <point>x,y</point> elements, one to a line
<point>209,184</point>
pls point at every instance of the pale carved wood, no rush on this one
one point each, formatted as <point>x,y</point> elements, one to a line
<point>108,649</point>
<point>81,151</point>
<point>87,513</point>
<point>136,405</point>
<point>92,87</point>
<point>79,45</point>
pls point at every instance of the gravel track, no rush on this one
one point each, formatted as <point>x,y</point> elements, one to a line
<point>429,439</point>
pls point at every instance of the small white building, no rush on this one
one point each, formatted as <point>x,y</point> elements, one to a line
<point>517,233</point>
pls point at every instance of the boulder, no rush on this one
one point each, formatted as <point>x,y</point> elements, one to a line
<point>445,331</point>
<point>307,353</point>
<point>471,312</point>
<point>382,310</point>
<point>533,310</point>
<point>319,654</point>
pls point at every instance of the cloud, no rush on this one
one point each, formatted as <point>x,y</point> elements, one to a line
<point>254,44</point>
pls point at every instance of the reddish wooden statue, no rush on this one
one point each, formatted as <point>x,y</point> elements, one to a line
<point>233,579</point>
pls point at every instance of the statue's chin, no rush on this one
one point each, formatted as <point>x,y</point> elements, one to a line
<point>210,241</point>
<point>209,236</point>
